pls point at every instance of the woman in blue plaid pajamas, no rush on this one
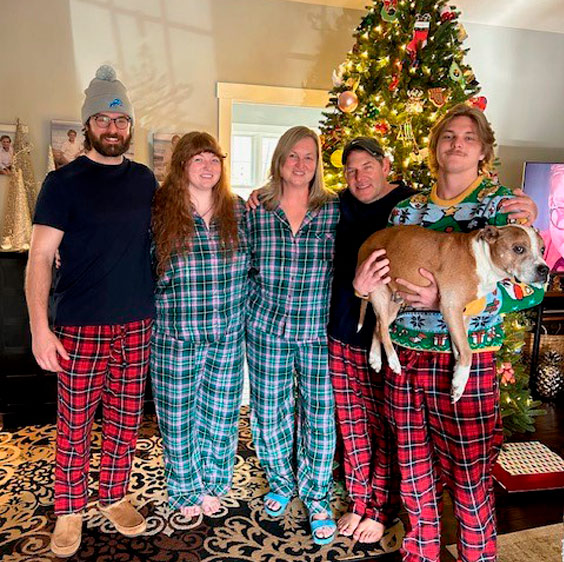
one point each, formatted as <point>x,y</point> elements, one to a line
<point>291,236</point>
<point>202,263</point>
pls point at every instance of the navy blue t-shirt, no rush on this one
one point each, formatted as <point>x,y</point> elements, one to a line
<point>105,213</point>
<point>357,222</point>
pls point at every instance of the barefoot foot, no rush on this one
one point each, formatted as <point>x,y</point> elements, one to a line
<point>210,505</point>
<point>348,523</point>
<point>191,510</point>
<point>369,531</point>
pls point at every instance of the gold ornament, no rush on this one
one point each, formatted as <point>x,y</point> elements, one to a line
<point>469,75</point>
<point>415,101</point>
<point>438,96</point>
<point>405,133</point>
<point>419,156</point>
<point>461,32</point>
<point>348,101</point>
<point>337,158</point>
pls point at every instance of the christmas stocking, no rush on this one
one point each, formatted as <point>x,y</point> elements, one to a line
<point>420,35</point>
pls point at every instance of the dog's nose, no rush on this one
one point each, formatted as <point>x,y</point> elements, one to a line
<point>542,271</point>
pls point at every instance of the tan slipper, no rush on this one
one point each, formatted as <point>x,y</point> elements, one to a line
<point>125,518</point>
<point>67,535</point>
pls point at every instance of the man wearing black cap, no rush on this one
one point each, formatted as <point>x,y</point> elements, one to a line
<point>96,211</point>
<point>367,444</point>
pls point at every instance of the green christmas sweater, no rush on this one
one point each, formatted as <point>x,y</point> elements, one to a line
<point>476,207</point>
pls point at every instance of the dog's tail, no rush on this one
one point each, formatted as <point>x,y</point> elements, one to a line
<point>362,314</point>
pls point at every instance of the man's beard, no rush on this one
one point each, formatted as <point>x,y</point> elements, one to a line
<point>106,149</point>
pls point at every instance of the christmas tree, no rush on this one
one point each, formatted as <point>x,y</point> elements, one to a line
<point>518,409</point>
<point>405,70</point>
<point>16,224</point>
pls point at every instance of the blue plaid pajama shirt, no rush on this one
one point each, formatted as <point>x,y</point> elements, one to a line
<point>197,362</point>
<point>290,285</point>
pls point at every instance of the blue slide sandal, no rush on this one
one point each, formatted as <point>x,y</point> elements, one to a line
<point>277,498</point>
<point>317,524</point>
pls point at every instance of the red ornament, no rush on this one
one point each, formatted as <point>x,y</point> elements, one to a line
<point>381,127</point>
<point>448,13</point>
<point>479,101</point>
<point>394,82</point>
<point>395,76</point>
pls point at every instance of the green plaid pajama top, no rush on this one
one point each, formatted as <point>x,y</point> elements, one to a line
<point>202,294</point>
<point>290,276</point>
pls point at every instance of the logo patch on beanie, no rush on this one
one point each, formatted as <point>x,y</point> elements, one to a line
<point>116,102</point>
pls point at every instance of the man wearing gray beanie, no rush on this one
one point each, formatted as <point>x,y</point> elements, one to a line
<point>96,211</point>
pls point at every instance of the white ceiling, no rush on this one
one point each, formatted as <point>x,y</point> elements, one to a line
<point>539,15</point>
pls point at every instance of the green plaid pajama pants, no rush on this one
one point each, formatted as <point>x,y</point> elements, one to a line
<point>197,390</point>
<point>274,367</point>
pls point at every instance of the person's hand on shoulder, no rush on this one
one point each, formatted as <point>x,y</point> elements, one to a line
<point>521,208</point>
<point>253,201</point>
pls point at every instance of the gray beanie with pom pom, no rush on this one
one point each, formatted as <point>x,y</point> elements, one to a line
<point>106,93</point>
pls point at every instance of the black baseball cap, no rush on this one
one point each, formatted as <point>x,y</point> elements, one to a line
<point>367,144</point>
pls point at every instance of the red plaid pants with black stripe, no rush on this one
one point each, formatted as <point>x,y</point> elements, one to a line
<point>444,444</point>
<point>108,364</point>
<point>370,468</point>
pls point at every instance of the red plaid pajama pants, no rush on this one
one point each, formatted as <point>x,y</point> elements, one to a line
<point>371,475</point>
<point>440,443</point>
<point>107,363</point>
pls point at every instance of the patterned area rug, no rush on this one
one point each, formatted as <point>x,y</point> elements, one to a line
<point>239,532</point>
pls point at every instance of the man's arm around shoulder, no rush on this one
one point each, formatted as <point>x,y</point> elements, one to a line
<point>45,345</point>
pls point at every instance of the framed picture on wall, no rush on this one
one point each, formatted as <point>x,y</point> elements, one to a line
<point>544,183</point>
<point>67,142</point>
<point>7,137</point>
<point>163,145</point>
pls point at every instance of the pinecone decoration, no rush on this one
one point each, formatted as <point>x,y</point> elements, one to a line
<point>550,375</point>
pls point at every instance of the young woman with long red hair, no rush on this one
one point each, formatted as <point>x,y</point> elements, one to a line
<point>197,355</point>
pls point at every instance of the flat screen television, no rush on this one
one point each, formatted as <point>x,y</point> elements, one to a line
<point>544,183</point>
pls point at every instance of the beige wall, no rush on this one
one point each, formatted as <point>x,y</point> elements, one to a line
<point>171,54</point>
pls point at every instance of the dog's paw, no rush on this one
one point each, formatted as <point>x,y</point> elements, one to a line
<point>394,363</point>
<point>375,360</point>
<point>459,380</point>
<point>456,394</point>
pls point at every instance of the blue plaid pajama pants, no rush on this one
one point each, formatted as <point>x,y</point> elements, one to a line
<point>281,372</point>
<point>197,390</point>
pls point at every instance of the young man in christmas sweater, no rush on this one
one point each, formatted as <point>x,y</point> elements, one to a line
<point>440,443</point>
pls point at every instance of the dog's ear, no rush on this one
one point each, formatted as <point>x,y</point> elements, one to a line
<point>489,233</point>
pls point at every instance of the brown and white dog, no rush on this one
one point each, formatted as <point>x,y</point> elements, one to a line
<point>466,267</point>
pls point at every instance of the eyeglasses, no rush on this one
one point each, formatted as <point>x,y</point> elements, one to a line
<point>557,216</point>
<point>103,121</point>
